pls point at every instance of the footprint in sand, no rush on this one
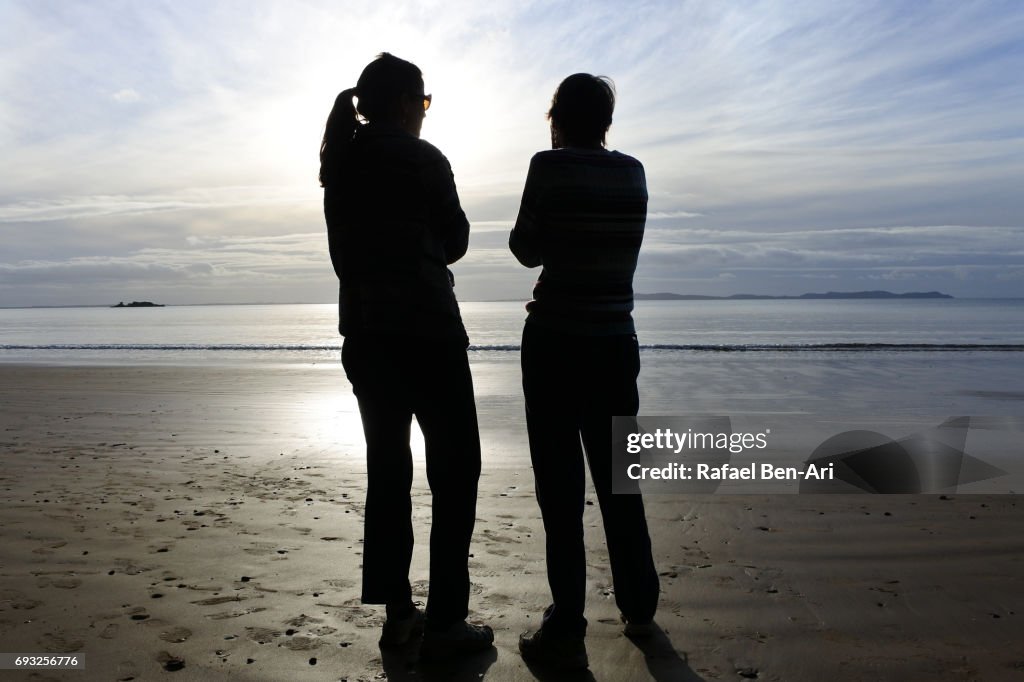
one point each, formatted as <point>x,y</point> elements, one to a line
<point>175,635</point>
<point>224,615</point>
<point>203,588</point>
<point>262,635</point>
<point>110,631</point>
<point>129,567</point>
<point>212,601</point>
<point>18,600</point>
<point>260,548</point>
<point>358,616</point>
<point>324,631</point>
<point>137,613</point>
<point>301,643</point>
<point>126,670</point>
<point>49,547</point>
<point>483,570</point>
<point>60,642</point>
<point>170,662</point>
<point>495,599</point>
<point>494,537</point>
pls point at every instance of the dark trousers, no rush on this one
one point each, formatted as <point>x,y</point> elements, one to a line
<point>394,380</point>
<point>573,386</point>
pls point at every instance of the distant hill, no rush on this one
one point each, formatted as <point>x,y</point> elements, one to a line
<point>831,295</point>
<point>138,304</point>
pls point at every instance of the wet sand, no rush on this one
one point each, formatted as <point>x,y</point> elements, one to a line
<point>205,524</point>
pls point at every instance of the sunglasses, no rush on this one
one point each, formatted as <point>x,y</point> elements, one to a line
<point>426,101</point>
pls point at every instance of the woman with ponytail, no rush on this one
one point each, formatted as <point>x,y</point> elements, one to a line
<point>394,225</point>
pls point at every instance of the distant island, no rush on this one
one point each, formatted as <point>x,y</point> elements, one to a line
<point>138,304</point>
<point>831,295</point>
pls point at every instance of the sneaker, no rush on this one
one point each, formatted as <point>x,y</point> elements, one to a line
<point>460,638</point>
<point>558,652</point>
<point>399,631</point>
<point>637,629</point>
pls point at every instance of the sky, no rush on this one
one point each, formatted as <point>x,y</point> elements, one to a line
<point>168,151</point>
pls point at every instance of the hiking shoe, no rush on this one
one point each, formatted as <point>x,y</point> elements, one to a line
<point>557,652</point>
<point>459,638</point>
<point>636,629</point>
<point>399,631</point>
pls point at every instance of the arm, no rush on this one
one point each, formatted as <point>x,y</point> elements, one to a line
<point>447,219</point>
<point>333,215</point>
<point>525,238</point>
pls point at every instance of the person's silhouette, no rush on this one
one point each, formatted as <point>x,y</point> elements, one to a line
<point>582,218</point>
<point>394,224</point>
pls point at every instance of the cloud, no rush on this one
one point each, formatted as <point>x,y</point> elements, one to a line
<point>82,207</point>
<point>666,215</point>
<point>201,261</point>
<point>781,141</point>
<point>126,96</point>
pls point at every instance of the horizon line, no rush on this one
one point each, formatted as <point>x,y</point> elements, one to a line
<point>731,297</point>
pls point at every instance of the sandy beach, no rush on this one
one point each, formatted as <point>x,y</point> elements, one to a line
<point>204,523</point>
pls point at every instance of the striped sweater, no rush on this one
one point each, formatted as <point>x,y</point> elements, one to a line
<point>582,218</point>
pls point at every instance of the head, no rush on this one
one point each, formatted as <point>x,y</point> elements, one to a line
<point>581,111</point>
<point>389,91</point>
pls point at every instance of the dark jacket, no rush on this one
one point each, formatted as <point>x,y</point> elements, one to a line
<point>582,218</point>
<point>394,224</point>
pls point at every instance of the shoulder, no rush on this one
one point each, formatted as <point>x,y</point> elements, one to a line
<point>583,157</point>
<point>557,162</point>
<point>429,154</point>
<point>395,143</point>
<point>546,156</point>
<point>626,166</point>
<point>544,159</point>
<point>571,163</point>
<point>618,158</point>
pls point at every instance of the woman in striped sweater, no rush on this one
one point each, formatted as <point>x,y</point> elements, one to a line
<point>582,220</point>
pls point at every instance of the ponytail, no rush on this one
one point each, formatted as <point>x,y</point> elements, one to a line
<point>341,127</point>
<point>380,86</point>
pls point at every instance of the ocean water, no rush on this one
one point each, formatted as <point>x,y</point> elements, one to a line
<point>307,332</point>
<point>898,366</point>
